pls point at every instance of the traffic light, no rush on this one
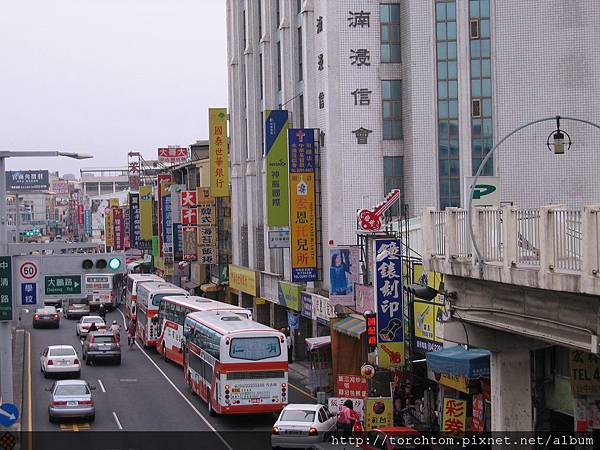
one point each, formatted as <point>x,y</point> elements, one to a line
<point>103,262</point>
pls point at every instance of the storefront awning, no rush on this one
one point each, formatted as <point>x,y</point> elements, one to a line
<point>317,342</point>
<point>352,326</point>
<point>459,361</point>
<point>209,287</point>
<point>190,285</point>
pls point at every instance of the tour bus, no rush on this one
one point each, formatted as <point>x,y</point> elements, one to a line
<point>171,316</point>
<point>133,281</point>
<point>236,365</point>
<point>148,300</point>
<point>100,289</point>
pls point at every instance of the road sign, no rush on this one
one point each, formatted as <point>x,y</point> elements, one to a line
<point>28,294</point>
<point>6,300</point>
<point>62,284</point>
<point>9,414</point>
<point>28,270</point>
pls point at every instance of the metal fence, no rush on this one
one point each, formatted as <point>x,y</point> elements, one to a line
<point>439,244</point>
<point>490,221</point>
<point>528,236</point>
<point>567,238</point>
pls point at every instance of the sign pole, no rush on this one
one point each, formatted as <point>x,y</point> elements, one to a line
<point>6,372</point>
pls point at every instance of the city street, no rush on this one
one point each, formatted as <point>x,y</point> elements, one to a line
<point>144,393</point>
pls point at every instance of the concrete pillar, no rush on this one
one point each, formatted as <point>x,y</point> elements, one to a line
<point>511,391</point>
<point>509,235</point>
<point>450,234</point>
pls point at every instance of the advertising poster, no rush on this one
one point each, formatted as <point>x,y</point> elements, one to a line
<point>388,295</point>
<point>87,221</point>
<point>26,180</point>
<point>289,295</point>
<point>379,413</point>
<point>134,220</point>
<point>352,386</point>
<point>146,213</point>
<point>585,370</point>
<point>303,234</point>
<point>276,159</point>
<point>163,183</point>
<point>358,404</point>
<point>478,414</point>
<point>118,228</point>
<point>343,274</point>
<point>219,152</point>
<point>428,314</point>
<point>190,240</point>
<point>109,232</point>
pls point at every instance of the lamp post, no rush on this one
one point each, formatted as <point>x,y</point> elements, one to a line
<point>557,145</point>
<point>6,372</point>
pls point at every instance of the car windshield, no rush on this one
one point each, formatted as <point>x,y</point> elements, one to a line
<point>47,310</point>
<point>103,339</point>
<point>298,415</point>
<point>91,319</point>
<point>71,389</point>
<point>61,352</point>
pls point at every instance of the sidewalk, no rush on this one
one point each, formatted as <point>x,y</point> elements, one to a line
<point>299,375</point>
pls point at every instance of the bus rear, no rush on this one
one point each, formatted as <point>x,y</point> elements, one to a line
<point>99,287</point>
<point>133,280</point>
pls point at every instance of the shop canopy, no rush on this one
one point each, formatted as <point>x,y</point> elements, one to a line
<point>459,361</point>
<point>352,326</point>
<point>317,342</point>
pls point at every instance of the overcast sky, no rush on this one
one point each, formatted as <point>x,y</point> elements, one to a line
<point>108,76</point>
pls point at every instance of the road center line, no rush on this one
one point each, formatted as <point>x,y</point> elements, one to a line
<point>181,393</point>
<point>101,385</point>
<point>117,420</point>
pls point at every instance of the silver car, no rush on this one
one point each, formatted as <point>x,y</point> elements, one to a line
<point>71,399</point>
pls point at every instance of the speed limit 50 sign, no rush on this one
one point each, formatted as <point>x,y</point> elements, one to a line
<point>28,270</point>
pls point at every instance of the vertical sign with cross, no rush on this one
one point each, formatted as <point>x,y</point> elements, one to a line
<point>6,301</point>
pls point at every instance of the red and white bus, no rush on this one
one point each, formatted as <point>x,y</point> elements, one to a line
<point>171,316</point>
<point>236,365</point>
<point>149,296</point>
<point>133,280</point>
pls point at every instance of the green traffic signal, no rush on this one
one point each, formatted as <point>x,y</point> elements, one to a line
<point>114,263</point>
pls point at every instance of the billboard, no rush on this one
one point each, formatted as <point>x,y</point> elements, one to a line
<point>276,159</point>
<point>303,233</point>
<point>173,155</point>
<point>60,188</point>
<point>146,213</point>
<point>388,294</point>
<point>429,315</point>
<point>134,220</point>
<point>343,274</point>
<point>27,180</point>
<point>219,152</point>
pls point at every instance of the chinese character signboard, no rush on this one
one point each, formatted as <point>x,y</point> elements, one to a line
<point>371,320</point>
<point>478,414</point>
<point>146,213</point>
<point>455,416</point>
<point>27,180</point>
<point>335,403</point>
<point>352,386</point>
<point>80,214</point>
<point>585,373</point>
<point>119,228</point>
<point>428,314</point>
<point>87,222</point>
<point>303,235</point>
<point>388,294</point>
<point>288,294</point>
<point>60,188</point>
<point>6,300</point>
<point>279,239</point>
<point>207,233</point>
<point>164,196</point>
<point>244,280</point>
<point>133,170</point>
<point>276,160</point>
<point>109,233</point>
<point>173,155</point>
<point>379,413</point>
<point>62,284</point>
<point>343,274</point>
<point>134,220</point>
<point>219,152</point>
<point>176,232</point>
<point>307,305</point>
<point>190,242</point>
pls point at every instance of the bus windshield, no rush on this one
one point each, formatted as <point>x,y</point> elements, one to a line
<point>158,297</point>
<point>255,348</point>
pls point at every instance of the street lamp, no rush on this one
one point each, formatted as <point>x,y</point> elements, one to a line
<point>557,146</point>
<point>6,373</point>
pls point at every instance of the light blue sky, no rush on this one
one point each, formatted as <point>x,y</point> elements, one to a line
<point>108,76</point>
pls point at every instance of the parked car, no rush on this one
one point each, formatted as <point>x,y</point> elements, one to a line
<point>61,359</point>
<point>392,438</point>
<point>71,399</point>
<point>46,317</point>
<point>77,307</point>
<point>83,326</point>
<point>302,425</point>
<point>101,345</point>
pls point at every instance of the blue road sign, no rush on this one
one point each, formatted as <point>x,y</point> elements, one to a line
<point>9,414</point>
<point>28,294</point>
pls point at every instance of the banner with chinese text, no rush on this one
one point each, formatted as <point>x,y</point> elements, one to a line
<point>146,213</point>
<point>164,199</point>
<point>219,152</point>
<point>134,220</point>
<point>455,416</point>
<point>118,228</point>
<point>388,295</point>
<point>207,233</point>
<point>190,242</point>
<point>303,234</point>
<point>109,233</point>
<point>379,413</point>
<point>276,159</point>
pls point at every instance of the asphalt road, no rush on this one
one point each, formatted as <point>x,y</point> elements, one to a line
<point>144,393</point>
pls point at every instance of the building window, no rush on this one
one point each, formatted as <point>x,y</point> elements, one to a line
<point>392,179</point>
<point>390,33</point>
<point>391,99</point>
<point>279,65</point>
<point>300,76</point>
<point>447,102</point>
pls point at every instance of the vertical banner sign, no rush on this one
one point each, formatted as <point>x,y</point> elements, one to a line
<point>134,220</point>
<point>6,301</point>
<point>189,213</point>
<point>455,416</point>
<point>133,170</point>
<point>190,239</point>
<point>119,228</point>
<point>146,213</point>
<point>207,233</point>
<point>113,202</point>
<point>80,214</point>
<point>303,234</point>
<point>219,152</point>
<point>87,222</point>
<point>163,182</point>
<point>429,314</point>
<point>343,274</point>
<point>388,295</point>
<point>379,413</point>
<point>276,156</point>
<point>109,233</point>
<point>176,190</point>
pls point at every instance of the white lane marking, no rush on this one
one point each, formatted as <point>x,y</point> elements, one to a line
<point>101,385</point>
<point>117,421</point>
<point>181,393</point>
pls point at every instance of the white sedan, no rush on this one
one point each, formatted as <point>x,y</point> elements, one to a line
<point>83,326</point>
<point>60,359</point>
<point>300,426</point>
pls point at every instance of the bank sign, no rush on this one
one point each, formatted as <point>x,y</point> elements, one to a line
<point>486,193</point>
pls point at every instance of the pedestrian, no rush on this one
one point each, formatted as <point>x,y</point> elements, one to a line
<point>290,347</point>
<point>116,330</point>
<point>346,418</point>
<point>102,311</point>
<point>92,327</point>
<point>131,334</point>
